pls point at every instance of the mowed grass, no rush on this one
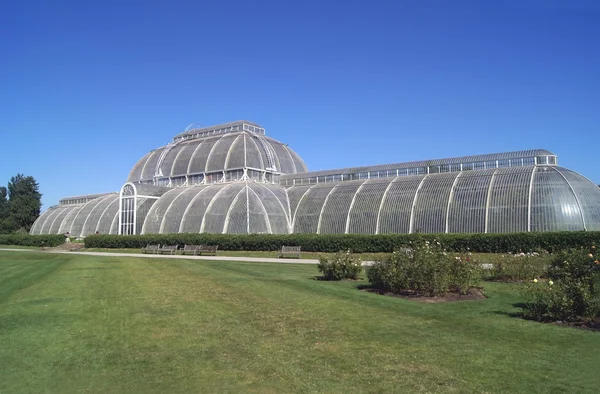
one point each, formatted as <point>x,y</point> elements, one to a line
<point>73,323</point>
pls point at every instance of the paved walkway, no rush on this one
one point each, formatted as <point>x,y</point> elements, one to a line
<point>175,256</point>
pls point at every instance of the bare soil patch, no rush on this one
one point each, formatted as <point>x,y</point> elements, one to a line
<point>592,325</point>
<point>70,247</point>
<point>474,293</point>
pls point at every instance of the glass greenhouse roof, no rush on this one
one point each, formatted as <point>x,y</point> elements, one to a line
<point>457,164</point>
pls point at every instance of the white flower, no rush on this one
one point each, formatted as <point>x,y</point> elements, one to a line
<point>535,280</point>
<point>550,282</point>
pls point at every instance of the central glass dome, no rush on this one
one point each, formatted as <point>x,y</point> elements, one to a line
<point>224,148</point>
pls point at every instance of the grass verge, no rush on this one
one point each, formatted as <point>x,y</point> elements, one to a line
<point>126,324</point>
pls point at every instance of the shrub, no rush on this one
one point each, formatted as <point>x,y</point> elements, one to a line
<point>342,265</point>
<point>360,243</point>
<point>518,267</point>
<point>32,240</point>
<point>572,292</point>
<point>425,269</point>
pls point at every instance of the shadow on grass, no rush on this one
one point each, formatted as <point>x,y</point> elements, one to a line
<point>19,321</point>
<point>93,268</point>
<point>516,314</point>
<point>325,279</point>
<point>45,301</point>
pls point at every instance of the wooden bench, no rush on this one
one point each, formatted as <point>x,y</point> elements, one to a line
<point>208,249</point>
<point>171,249</point>
<point>190,249</point>
<point>294,251</point>
<point>150,248</point>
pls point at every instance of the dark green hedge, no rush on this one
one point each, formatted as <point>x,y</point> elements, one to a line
<point>32,240</point>
<point>497,243</point>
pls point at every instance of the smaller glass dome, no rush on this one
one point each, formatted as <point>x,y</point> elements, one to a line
<point>209,153</point>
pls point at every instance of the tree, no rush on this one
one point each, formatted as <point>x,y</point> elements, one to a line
<point>25,201</point>
<point>5,225</point>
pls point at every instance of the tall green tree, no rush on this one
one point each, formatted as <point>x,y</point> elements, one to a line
<point>25,201</point>
<point>5,224</point>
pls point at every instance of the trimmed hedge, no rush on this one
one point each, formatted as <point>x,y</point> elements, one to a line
<point>360,243</point>
<point>32,240</point>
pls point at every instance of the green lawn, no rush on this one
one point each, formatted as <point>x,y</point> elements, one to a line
<point>74,323</point>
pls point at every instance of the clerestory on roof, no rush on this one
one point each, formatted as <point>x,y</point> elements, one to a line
<point>232,127</point>
<point>455,164</point>
<point>82,199</point>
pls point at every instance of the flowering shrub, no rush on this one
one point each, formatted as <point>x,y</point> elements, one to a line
<point>342,265</point>
<point>518,267</point>
<point>572,292</point>
<point>425,269</point>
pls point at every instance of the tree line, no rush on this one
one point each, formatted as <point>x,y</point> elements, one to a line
<point>20,204</point>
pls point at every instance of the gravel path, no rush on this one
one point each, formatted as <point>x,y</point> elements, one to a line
<point>176,256</point>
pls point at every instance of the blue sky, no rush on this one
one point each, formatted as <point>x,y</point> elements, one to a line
<point>89,87</point>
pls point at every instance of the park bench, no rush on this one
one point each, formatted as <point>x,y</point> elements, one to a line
<point>150,248</point>
<point>171,249</point>
<point>190,249</point>
<point>293,251</point>
<point>208,249</point>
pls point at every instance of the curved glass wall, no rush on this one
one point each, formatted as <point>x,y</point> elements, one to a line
<point>499,200</point>
<point>235,208</point>
<point>80,220</point>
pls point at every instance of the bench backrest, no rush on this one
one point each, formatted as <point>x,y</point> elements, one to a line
<point>290,249</point>
<point>208,248</point>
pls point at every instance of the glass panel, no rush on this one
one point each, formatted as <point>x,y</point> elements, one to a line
<point>335,211</point>
<point>91,223</point>
<point>528,161</point>
<point>214,219</point>
<point>47,218</point>
<point>136,173</point>
<point>198,161</point>
<point>294,195</point>
<point>150,166</point>
<point>432,204</point>
<point>108,216</point>
<point>509,200</point>
<point>236,155</point>
<point>238,215</point>
<point>490,164</point>
<point>309,209</point>
<point>469,198</point>
<point>182,161</point>
<point>589,197</point>
<point>55,225</point>
<point>363,216</point>
<point>194,212</point>
<point>284,160</point>
<point>275,202</point>
<point>254,155</point>
<point>169,160</point>
<point>395,211</point>
<point>553,204</point>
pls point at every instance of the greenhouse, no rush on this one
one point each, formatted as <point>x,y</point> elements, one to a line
<point>232,178</point>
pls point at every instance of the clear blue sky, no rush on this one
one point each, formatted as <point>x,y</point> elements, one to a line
<point>88,87</point>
